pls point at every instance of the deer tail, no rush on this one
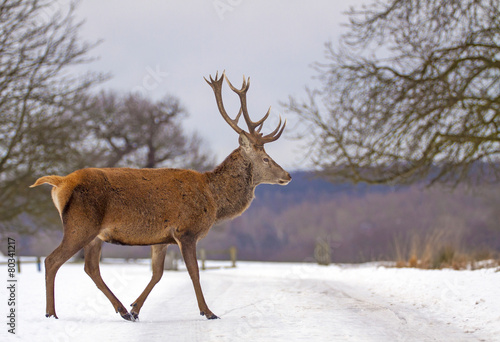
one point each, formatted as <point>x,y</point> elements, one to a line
<point>52,180</point>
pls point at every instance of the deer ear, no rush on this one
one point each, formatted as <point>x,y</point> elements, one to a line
<point>245,142</point>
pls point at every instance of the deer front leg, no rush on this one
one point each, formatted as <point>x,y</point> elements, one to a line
<point>158,253</point>
<point>188,250</point>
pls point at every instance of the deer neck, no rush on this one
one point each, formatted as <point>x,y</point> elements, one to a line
<point>232,185</point>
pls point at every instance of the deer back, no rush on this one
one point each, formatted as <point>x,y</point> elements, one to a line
<point>137,206</point>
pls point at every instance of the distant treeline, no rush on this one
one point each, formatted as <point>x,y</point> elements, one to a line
<point>362,222</point>
<point>359,222</point>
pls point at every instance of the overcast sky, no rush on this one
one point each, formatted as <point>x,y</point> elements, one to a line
<point>166,47</point>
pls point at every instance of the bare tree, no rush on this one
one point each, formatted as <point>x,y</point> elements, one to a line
<point>39,52</point>
<point>411,92</point>
<point>134,131</point>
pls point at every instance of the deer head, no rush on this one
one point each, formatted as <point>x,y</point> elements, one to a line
<point>266,170</point>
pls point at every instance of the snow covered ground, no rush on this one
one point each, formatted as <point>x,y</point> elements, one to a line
<point>264,302</point>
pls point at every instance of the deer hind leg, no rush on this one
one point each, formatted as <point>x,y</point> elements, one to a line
<point>92,255</point>
<point>70,244</point>
<point>158,253</point>
<point>188,250</point>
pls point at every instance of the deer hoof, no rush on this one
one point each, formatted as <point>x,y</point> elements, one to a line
<point>135,315</point>
<point>128,317</point>
<point>50,315</point>
<point>209,316</point>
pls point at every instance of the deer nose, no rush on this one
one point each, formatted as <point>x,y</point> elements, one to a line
<point>285,180</point>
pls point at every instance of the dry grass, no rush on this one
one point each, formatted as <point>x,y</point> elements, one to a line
<point>440,248</point>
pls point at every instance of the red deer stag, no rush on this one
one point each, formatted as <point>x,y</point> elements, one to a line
<point>159,207</point>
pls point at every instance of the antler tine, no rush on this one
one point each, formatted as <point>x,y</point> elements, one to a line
<point>217,88</point>
<point>211,79</point>
<point>244,86</point>
<point>274,135</point>
<point>259,128</point>
<point>254,128</point>
<point>260,123</point>
<point>242,93</point>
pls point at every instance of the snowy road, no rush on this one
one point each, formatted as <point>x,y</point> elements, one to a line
<point>267,302</point>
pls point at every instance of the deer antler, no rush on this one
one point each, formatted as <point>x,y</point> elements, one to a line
<point>254,128</point>
<point>217,88</point>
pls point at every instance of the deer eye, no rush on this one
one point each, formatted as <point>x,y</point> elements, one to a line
<point>266,160</point>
